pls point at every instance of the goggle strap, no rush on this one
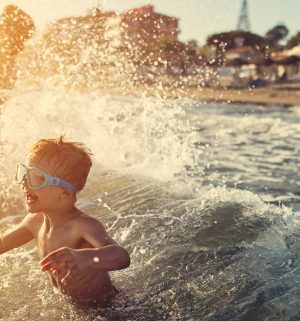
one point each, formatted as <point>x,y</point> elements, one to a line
<point>62,183</point>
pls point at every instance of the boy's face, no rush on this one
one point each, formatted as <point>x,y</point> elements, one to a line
<point>46,198</point>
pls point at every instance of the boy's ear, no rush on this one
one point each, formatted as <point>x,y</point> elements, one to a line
<point>66,194</point>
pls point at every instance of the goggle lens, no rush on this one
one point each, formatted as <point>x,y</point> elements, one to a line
<point>20,173</point>
<point>35,178</point>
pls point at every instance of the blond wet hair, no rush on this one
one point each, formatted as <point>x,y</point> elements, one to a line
<point>69,160</point>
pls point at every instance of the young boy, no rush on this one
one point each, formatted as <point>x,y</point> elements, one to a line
<point>74,247</point>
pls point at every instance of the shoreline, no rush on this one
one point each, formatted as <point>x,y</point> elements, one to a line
<point>281,94</point>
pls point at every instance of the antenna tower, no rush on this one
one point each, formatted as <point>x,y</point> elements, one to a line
<point>244,22</point>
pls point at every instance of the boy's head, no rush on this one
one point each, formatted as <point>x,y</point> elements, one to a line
<point>70,161</point>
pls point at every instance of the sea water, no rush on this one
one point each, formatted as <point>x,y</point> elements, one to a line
<point>205,197</point>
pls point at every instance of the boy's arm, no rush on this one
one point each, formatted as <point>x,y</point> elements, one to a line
<point>106,255</point>
<point>17,237</point>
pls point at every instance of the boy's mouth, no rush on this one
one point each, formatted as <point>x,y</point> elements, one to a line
<point>30,198</point>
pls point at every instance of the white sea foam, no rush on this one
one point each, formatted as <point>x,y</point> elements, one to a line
<point>132,135</point>
<point>225,252</point>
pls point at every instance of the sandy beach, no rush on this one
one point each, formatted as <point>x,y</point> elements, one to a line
<point>283,94</point>
<point>286,94</point>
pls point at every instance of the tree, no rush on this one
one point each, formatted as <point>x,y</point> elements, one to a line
<point>275,35</point>
<point>293,41</point>
<point>16,27</point>
<point>234,39</point>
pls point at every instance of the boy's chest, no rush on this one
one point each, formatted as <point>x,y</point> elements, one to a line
<point>49,241</point>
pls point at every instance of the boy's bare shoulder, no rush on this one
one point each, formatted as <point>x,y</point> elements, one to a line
<point>33,218</point>
<point>86,220</point>
<point>93,230</point>
<point>33,222</point>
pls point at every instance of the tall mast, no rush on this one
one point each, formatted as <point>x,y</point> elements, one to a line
<point>244,22</point>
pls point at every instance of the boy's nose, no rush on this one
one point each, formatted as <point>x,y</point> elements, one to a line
<point>24,183</point>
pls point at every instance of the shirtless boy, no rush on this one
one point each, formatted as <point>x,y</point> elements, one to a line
<point>74,247</point>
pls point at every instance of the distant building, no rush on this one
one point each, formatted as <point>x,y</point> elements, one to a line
<point>96,26</point>
<point>286,54</point>
<point>287,64</point>
<point>243,55</point>
<point>136,27</point>
<point>142,26</point>
<point>73,37</point>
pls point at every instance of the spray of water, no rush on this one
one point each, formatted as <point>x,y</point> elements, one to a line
<point>210,256</point>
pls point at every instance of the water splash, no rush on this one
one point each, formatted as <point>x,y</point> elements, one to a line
<point>210,250</point>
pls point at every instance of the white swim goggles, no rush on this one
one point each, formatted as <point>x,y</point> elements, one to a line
<point>38,178</point>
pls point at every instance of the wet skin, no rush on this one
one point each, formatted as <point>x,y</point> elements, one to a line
<point>74,247</point>
<point>70,265</point>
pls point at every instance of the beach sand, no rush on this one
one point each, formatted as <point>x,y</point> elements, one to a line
<point>284,94</point>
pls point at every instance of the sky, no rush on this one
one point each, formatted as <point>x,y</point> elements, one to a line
<point>197,18</point>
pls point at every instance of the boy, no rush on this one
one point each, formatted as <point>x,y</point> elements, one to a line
<point>74,247</point>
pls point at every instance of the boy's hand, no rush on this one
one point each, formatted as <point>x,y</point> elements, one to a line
<point>65,262</point>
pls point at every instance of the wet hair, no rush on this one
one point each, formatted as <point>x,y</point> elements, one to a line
<point>70,161</point>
